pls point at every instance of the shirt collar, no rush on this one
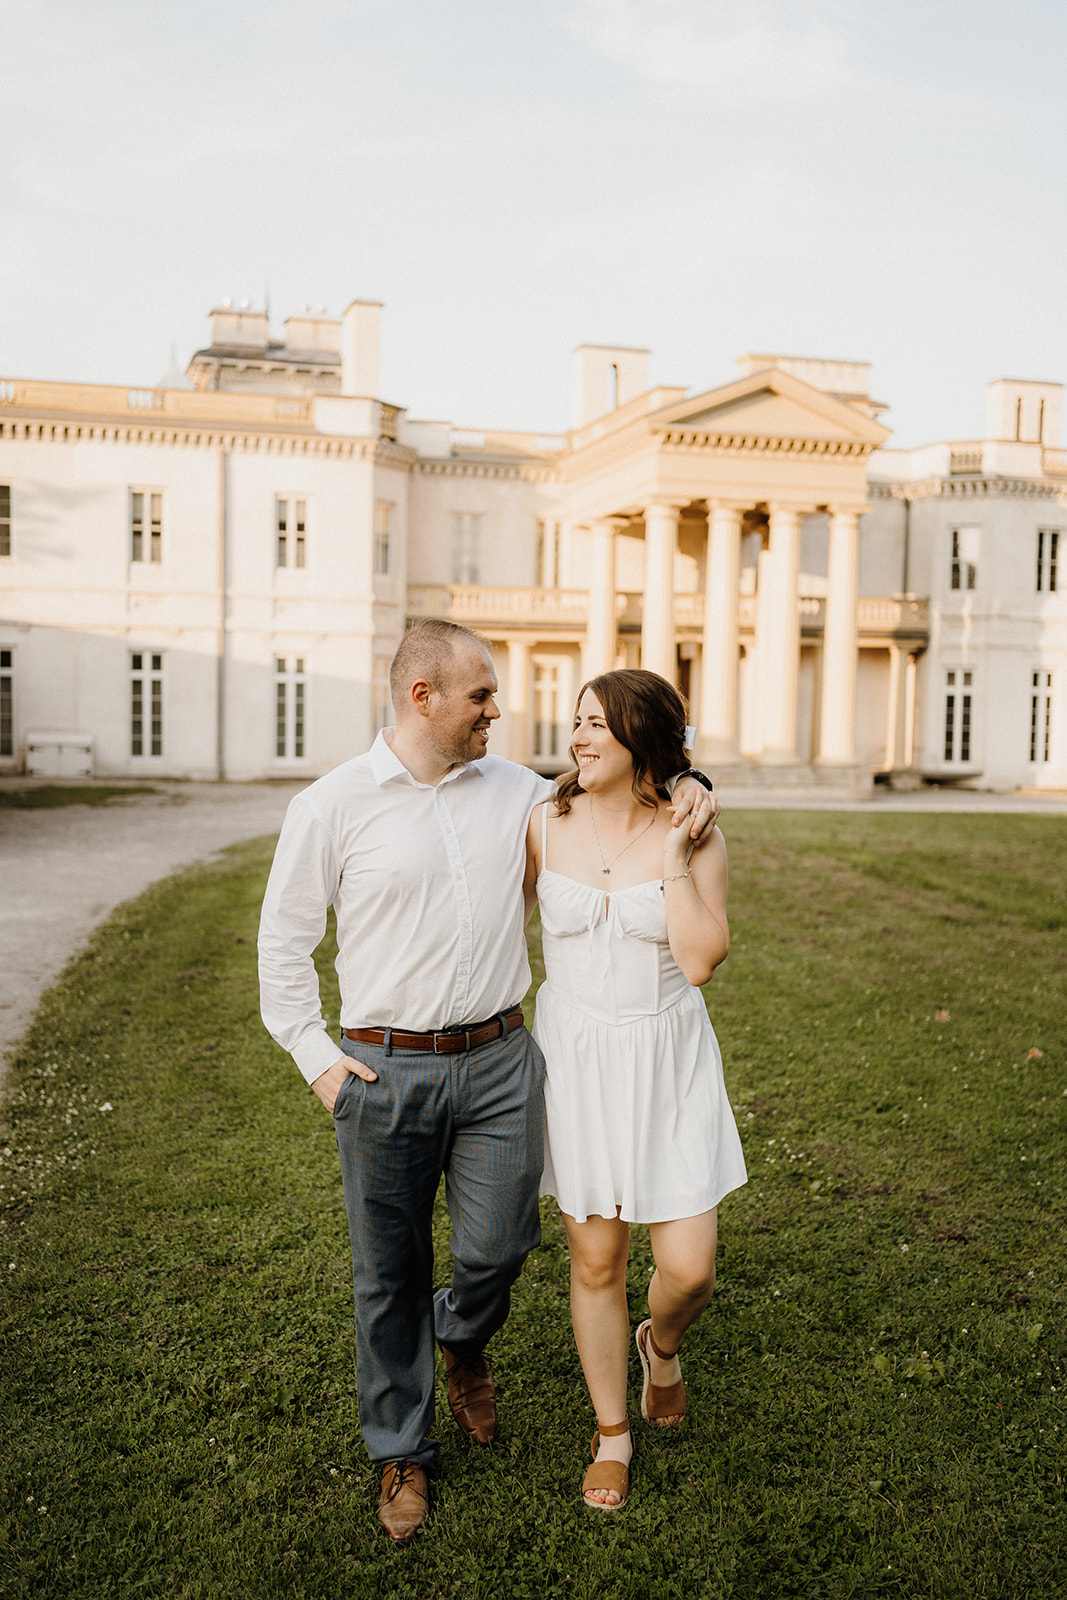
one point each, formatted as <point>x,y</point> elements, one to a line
<point>385,766</point>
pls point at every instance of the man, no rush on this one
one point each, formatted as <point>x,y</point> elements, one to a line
<point>420,846</point>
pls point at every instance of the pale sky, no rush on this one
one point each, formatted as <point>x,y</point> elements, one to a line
<point>880,182</point>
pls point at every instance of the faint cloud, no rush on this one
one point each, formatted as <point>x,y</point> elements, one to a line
<point>777,47</point>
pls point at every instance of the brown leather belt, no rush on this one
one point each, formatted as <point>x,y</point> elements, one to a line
<point>443,1043</point>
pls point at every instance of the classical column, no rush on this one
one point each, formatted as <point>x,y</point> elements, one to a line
<point>518,698</point>
<point>658,648</point>
<point>838,745</point>
<point>719,661</point>
<point>778,637</point>
<point>894,721</point>
<point>601,637</point>
<point>911,676</point>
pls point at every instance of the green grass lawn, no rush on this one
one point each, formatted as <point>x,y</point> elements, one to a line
<point>49,796</point>
<point>876,1391</point>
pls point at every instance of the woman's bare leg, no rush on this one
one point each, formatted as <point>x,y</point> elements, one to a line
<point>681,1286</point>
<point>600,1248</point>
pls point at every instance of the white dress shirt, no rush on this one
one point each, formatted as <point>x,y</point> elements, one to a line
<point>427,886</point>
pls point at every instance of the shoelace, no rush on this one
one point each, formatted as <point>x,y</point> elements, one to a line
<point>405,1473</point>
<point>477,1365</point>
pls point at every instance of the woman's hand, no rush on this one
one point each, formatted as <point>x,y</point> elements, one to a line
<point>695,809</point>
<point>677,845</point>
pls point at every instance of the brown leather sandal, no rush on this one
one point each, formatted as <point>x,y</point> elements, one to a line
<point>613,1476</point>
<point>658,1400</point>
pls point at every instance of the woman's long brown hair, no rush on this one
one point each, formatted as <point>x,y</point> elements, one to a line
<point>647,715</point>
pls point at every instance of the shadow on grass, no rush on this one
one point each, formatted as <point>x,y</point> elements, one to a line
<point>875,1391</point>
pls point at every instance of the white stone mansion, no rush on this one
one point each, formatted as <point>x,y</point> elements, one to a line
<point>208,579</point>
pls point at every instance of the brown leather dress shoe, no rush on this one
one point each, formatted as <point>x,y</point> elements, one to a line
<point>404,1500</point>
<point>471,1395</point>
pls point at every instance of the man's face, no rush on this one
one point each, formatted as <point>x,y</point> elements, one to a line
<point>461,716</point>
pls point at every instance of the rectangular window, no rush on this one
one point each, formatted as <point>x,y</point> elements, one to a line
<point>146,704</point>
<point>291,522</point>
<point>383,536</point>
<point>7,703</point>
<point>382,702</point>
<point>1041,717</point>
<point>964,568</point>
<point>467,546</point>
<point>548,553</point>
<point>547,709</point>
<point>5,519</point>
<point>146,526</point>
<point>1048,550</point>
<point>958,721</point>
<point>289,706</point>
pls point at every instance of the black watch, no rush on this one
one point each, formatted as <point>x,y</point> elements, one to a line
<point>701,777</point>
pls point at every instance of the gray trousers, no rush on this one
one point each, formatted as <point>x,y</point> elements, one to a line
<point>475,1116</point>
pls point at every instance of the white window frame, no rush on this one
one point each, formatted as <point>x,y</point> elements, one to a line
<point>965,549</point>
<point>383,538</point>
<point>290,708</point>
<point>958,720</point>
<point>468,531</point>
<point>551,705</point>
<point>145,525</point>
<point>1041,716</point>
<point>291,531</point>
<point>1048,549</point>
<point>5,520</point>
<point>382,700</point>
<point>146,703</point>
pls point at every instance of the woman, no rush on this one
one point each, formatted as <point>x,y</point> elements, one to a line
<point>638,1127</point>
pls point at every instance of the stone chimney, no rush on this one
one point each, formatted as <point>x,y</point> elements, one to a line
<point>606,377</point>
<point>239,326</point>
<point>313,331</point>
<point>1024,411</point>
<point>359,348</point>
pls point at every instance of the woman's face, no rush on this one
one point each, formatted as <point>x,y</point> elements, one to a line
<point>602,761</point>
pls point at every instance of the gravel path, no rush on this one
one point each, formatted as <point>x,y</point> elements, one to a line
<point>62,871</point>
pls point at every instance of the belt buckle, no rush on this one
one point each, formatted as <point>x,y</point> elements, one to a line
<point>451,1033</point>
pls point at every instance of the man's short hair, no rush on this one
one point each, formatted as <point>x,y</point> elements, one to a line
<point>428,651</point>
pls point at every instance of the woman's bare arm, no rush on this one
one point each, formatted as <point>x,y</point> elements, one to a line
<point>533,863</point>
<point>695,896</point>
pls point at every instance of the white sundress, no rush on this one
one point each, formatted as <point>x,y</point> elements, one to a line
<point>636,1112</point>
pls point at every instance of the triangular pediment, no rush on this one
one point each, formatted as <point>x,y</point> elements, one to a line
<point>770,404</point>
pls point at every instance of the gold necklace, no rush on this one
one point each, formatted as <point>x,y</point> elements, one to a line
<point>596,835</point>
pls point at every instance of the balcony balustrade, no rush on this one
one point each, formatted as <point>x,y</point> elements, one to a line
<point>965,458</point>
<point>480,606</point>
<point>98,400</point>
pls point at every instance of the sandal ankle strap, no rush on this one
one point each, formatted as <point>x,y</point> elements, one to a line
<point>664,1355</point>
<point>615,1429</point>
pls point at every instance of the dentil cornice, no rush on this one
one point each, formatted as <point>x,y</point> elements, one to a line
<point>967,489</point>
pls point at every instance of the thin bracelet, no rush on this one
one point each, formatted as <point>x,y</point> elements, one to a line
<point>675,877</point>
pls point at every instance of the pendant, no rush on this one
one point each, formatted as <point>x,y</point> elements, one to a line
<point>605,869</point>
